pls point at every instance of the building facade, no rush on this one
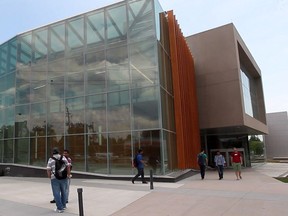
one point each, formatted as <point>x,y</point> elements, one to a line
<point>102,84</point>
<point>276,142</point>
<point>229,91</point>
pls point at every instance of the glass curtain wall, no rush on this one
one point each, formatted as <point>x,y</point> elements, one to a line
<point>89,84</point>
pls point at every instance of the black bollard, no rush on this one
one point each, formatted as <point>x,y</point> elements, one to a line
<point>151,180</point>
<point>80,201</point>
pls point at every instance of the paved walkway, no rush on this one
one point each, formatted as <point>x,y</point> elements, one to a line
<point>256,194</point>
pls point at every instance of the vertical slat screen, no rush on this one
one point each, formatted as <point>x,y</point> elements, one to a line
<point>185,97</point>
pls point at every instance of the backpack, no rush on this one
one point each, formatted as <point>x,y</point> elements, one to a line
<point>135,161</point>
<point>201,159</point>
<point>60,168</point>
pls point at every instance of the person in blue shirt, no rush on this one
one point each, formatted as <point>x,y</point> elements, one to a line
<point>219,163</point>
<point>140,167</point>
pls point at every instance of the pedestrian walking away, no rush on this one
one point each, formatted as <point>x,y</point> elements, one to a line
<point>139,163</point>
<point>202,162</point>
<point>220,162</point>
<point>58,171</point>
<point>237,161</point>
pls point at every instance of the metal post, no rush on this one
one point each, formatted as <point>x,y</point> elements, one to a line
<point>80,201</point>
<point>151,180</point>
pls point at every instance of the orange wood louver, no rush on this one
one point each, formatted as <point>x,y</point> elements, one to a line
<point>185,97</point>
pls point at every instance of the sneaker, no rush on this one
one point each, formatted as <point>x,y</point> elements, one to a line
<point>52,201</point>
<point>59,211</point>
<point>132,181</point>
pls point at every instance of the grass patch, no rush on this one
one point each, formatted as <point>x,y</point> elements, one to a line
<point>282,179</point>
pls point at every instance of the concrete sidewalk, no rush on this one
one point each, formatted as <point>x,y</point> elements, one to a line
<point>256,194</point>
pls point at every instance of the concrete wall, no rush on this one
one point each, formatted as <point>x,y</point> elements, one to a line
<point>276,141</point>
<point>218,54</point>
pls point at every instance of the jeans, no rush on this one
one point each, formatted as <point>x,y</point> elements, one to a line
<point>202,171</point>
<point>59,188</point>
<point>220,170</point>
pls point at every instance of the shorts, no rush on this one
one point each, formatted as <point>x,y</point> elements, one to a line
<point>236,166</point>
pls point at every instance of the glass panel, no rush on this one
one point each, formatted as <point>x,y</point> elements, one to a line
<point>96,81</point>
<point>38,91</point>
<point>40,45</point>
<point>4,58</point>
<point>23,85</point>
<point>95,29</point>
<point>150,142</point>
<point>22,121</point>
<point>116,23</point>
<point>9,123</point>
<point>170,161</point>
<point>143,64</point>
<point>75,64</point>
<point>246,94</point>
<point>145,103</point>
<point>56,68</point>
<point>75,144</point>
<point>140,20</point>
<point>38,119</point>
<point>37,151</point>
<point>75,31</point>
<point>57,40</point>
<point>25,49</point>
<point>1,148</point>
<point>8,151</point>
<point>118,111</point>
<point>13,55</point>
<point>96,113</point>
<point>75,115</point>
<point>56,118</point>
<point>117,67</point>
<point>119,153</point>
<point>21,151</point>
<point>75,85</point>
<point>95,60</point>
<point>56,88</point>
<point>97,153</point>
<point>7,89</point>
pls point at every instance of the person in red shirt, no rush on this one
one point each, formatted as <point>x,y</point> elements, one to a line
<point>236,159</point>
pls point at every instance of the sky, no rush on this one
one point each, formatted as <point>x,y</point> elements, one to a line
<point>263,25</point>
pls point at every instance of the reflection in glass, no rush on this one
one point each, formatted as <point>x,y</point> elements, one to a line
<point>21,151</point>
<point>145,108</point>
<point>118,111</point>
<point>97,153</point>
<point>37,151</point>
<point>119,153</point>
<point>74,115</point>
<point>56,118</point>
<point>96,113</point>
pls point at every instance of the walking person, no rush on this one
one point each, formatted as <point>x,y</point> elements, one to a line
<point>57,170</point>
<point>236,159</point>
<point>140,163</point>
<point>202,162</point>
<point>220,162</point>
<point>67,156</point>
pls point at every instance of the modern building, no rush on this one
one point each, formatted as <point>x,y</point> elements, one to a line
<point>100,84</point>
<point>276,142</point>
<point>229,91</point>
<point>105,83</point>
